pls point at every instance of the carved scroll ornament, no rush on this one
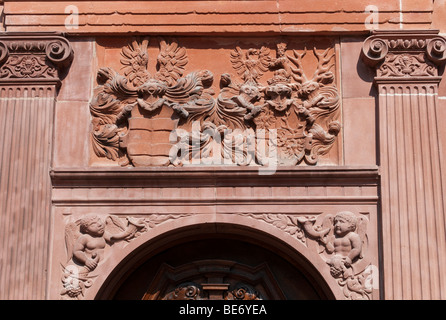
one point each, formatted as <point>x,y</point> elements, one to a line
<point>194,291</point>
<point>400,55</point>
<point>34,57</point>
<point>172,119</point>
<point>340,240</point>
<point>88,240</point>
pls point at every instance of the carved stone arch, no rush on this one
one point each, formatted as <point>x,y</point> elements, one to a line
<point>115,270</point>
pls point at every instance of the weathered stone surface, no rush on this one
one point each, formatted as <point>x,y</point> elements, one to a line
<point>282,16</point>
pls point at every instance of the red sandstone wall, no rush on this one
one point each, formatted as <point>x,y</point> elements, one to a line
<point>281,16</point>
<point>345,19</point>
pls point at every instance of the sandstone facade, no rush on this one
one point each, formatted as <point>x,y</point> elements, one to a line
<point>222,150</point>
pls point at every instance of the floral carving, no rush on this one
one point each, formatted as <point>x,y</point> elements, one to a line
<point>406,65</point>
<point>28,67</point>
<point>286,223</point>
<point>40,59</point>
<point>141,119</point>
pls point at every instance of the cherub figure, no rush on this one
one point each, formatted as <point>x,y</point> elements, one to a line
<point>281,63</point>
<point>88,248</point>
<point>86,240</point>
<point>347,244</point>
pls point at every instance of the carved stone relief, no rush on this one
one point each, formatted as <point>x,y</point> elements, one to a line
<point>194,291</point>
<point>172,119</point>
<point>89,241</point>
<point>34,57</point>
<point>401,55</point>
<point>340,240</point>
<point>214,280</point>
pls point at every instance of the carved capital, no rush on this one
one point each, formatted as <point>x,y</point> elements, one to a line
<point>34,57</point>
<point>405,55</point>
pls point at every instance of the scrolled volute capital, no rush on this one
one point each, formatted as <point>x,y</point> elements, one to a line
<point>59,52</point>
<point>374,51</point>
<point>405,55</point>
<point>34,56</point>
<point>436,50</point>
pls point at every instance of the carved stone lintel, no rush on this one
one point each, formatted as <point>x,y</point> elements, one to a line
<point>403,55</point>
<point>34,58</point>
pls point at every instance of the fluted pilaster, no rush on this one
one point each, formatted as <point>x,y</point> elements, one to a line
<point>31,67</point>
<point>412,195</point>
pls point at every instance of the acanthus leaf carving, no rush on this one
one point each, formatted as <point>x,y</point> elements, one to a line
<point>406,65</point>
<point>401,54</point>
<point>136,107</point>
<point>34,57</point>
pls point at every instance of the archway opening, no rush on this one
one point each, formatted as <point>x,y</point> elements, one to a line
<point>215,262</point>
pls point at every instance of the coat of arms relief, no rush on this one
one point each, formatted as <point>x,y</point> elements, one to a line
<point>266,110</point>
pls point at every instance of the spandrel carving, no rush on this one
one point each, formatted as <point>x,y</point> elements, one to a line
<point>86,241</point>
<point>340,240</point>
<point>34,57</point>
<point>91,239</point>
<point>269,111</point>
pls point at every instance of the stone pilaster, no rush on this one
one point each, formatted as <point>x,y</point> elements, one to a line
<point>412,186</point>
<point>31,69</point>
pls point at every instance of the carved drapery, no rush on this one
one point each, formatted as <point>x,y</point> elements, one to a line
<point>407,76</point>
<point>169,118</point>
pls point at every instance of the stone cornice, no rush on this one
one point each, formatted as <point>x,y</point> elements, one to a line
<point>34,58</point>
<point>62,177</point>
<point>399,56</point>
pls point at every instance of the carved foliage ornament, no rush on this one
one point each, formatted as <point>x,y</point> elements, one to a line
<point>403,55</point>
<point>88,241</point>
<point>340,240</point>
<point>168,118</point>
<point>34,57</point>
